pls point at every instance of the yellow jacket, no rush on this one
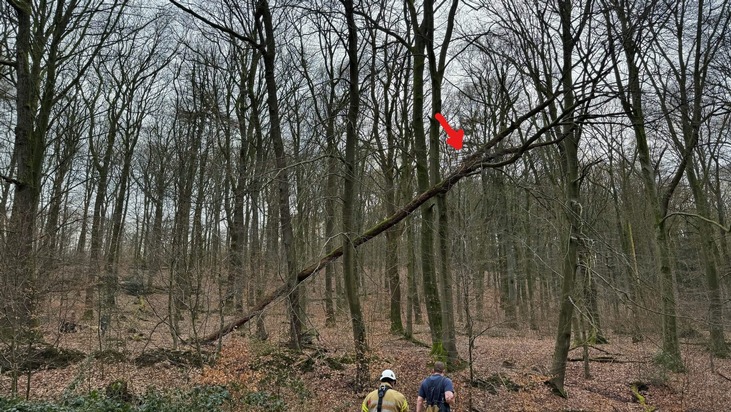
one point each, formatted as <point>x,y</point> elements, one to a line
<point>393,401</point>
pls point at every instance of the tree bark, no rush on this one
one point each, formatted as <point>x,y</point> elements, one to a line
<point>573,240</point>
<point>431,291</point>
<point>265,26</point>
<point>349,225</point>
<point>437,67</point>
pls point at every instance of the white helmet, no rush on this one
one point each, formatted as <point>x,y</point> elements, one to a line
<point>388,374</point>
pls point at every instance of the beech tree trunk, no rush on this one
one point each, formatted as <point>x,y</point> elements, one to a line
<point>574,238</point>
<point>349,224</point>
<point>265,27</point>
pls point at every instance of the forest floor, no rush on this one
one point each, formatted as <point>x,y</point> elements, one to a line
<point>509,368</point>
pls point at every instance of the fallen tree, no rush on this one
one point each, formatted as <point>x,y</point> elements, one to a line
<point>478,160</point>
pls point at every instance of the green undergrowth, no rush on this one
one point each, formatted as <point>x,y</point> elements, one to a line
<point>116,399</point>
<point>670,362</point>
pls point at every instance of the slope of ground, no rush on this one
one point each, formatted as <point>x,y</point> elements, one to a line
<point>508,369</point>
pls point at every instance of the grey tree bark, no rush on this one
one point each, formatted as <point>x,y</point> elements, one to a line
<point>349,184</point>
<point>265,28</point>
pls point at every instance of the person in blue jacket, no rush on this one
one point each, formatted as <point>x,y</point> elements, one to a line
<point>436,390</point>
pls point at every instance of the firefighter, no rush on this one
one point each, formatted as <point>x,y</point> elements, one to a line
<point>385,398</point>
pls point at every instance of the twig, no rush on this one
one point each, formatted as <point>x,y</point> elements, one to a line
<point>605,359</point>
<point>11,180</point>
<point>722,375</point>
<point>703,218</point>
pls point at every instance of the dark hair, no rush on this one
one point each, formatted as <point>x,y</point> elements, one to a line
<point>439,367</point>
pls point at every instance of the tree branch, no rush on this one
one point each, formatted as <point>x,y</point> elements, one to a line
<point>217,26</point>
<point>703,218</point>
<point>11,180</point>
<point>480,159</point>
<point>383,29</point>
<point>722,375</point>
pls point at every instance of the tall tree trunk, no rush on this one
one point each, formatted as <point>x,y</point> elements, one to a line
<point>691,101</point>
<point>504,251</point>
<point>296,314</point>
<point>5,197</point>
<point>413,303</point>
<point>388,166</point>
<point>154,258</point>
<point>437,67</point>
<point>721,208</point>
<point>65,149</point>
<point>259,268</point>
<point>234,293</point>
<point>88,193</point>
<point>626,263</point>
<point>101,165</point>
<point>42,50</point>
<point>110,280</point>
<point>573,240</point>
<point>331,194</point>
<point>28,151</point>
<point>631,98</point>
<point>709,253</point>
<point>431,292</point>
<point>349,187</point>
<point>180,276</point>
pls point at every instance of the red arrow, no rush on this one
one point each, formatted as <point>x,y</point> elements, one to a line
<point>454,138</point>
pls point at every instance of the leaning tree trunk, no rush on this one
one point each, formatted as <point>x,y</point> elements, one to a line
<point>472,163</point>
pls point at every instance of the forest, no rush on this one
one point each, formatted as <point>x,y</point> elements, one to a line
<point>216,197</point>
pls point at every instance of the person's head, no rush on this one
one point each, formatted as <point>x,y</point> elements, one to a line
<point>388,376</point>
<point>438,367</point>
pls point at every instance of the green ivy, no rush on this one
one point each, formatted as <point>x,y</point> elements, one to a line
<point>266,401</point>
<point>198,399</point>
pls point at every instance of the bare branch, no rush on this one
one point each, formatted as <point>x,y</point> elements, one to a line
<point>11,180</point>
<point>722,375</point>
<point>383,29</point>
<point>703,218</point>
<point>224,29</point>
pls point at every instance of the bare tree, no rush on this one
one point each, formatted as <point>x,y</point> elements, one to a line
<point>51,38</point>
<point>631,34</point>
<point>694,105</point>
<point>349,275</point>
